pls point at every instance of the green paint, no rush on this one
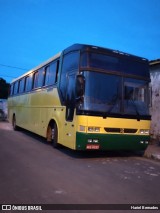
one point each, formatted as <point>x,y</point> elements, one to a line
<point>112,141</point>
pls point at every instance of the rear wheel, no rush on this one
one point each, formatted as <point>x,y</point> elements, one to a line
<point>15,127</point>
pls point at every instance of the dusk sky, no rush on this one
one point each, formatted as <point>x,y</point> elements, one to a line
<point>31,31</point>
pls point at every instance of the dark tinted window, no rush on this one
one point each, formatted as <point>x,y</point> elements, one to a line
<point>15,91</point>
<point>124,64</point>
<point>35,80</point>
<point>28,85</point>
<point>70,63</point>
<point>11,89</point>
<point>21,85</point>
<point>38,79</point>
<point>51,72</point>
<point>41,76</point>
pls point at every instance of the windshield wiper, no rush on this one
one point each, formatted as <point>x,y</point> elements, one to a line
<point>113,103</point>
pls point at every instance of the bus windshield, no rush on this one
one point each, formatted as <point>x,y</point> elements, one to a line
<point>110,94</point>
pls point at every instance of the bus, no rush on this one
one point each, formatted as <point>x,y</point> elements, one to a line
<point>85,98</point>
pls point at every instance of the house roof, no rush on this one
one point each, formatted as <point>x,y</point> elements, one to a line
<point>154,62</point>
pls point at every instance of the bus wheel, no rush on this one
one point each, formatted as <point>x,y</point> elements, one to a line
<point>15,127</point>
<point>55,136</point>
<point>52,134</point>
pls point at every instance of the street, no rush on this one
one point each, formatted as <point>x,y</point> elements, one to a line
<point>33,172</point>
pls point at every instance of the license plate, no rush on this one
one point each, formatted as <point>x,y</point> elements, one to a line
<point>92,146</point>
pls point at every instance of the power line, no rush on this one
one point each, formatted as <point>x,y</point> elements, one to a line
<point>8,76</point>
<point>4,65</point>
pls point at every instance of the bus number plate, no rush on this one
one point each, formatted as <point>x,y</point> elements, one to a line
<point>92,146</point>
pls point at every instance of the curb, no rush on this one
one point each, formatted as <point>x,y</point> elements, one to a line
<point>152,156</point>
<point>155,156</point>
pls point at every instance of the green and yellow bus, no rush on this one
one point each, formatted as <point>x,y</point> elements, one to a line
<point>84,98</point>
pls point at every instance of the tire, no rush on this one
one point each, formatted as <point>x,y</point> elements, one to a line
<point>52,135</point>
<point>15,127</point>
<point>55,136</point>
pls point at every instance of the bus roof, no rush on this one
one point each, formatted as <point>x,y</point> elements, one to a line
<point>83,47</point>
<point>86,47</point>
<point>154,62</point>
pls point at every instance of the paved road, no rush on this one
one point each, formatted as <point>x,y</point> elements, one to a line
<point>31,171</point>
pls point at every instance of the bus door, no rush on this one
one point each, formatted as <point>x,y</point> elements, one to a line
<point>69,125</point>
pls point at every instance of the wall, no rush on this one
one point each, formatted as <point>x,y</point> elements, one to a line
<point>155,109</point>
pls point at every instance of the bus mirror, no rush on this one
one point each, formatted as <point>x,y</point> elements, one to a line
<point>80,85</point>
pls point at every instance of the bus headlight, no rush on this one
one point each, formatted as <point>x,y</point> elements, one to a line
<point>144,131</point>
<point>93,129</point>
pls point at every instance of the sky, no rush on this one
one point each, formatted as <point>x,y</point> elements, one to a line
<point>31,31</point>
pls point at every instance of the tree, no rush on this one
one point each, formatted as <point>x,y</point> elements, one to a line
<point>4,89</point>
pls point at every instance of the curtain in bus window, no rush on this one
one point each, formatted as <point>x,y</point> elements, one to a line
<point>21,85</point>
<point>11,89</point>
<point>15,91</point>
<point>38,78</point>
<point>28,85</point>
<point>35,81</point>
<point>51,74</point>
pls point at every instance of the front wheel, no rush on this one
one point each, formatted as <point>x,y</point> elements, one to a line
<point>52,135</point>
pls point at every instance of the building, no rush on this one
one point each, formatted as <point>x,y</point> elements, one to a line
<point>155,108</point>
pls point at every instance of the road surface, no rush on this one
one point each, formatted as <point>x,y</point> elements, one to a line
<point>33,172</point>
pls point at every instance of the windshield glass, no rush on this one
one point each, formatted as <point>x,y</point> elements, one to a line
<point>119,63</point>
<point>136,97</point>
<point>114,94</point>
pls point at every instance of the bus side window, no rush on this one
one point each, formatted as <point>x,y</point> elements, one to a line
<point>35,80</point>
<point>47,71</point>
<point>28,84</point>
<point>57,68</point>
<point>11,89</point>
<point>70,63</point>
<point>51,71</point>
<point>41,77</point>
<point>21,85</point>
<point>16,86</point>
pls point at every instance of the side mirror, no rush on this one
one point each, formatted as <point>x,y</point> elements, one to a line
<point>80,86</point>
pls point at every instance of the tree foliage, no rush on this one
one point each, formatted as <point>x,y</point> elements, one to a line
<point>4,89</point>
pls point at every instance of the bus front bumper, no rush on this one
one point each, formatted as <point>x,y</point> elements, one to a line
<point>127,142</point>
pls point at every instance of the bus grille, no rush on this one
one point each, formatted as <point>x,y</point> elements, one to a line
<point>120,130</point>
